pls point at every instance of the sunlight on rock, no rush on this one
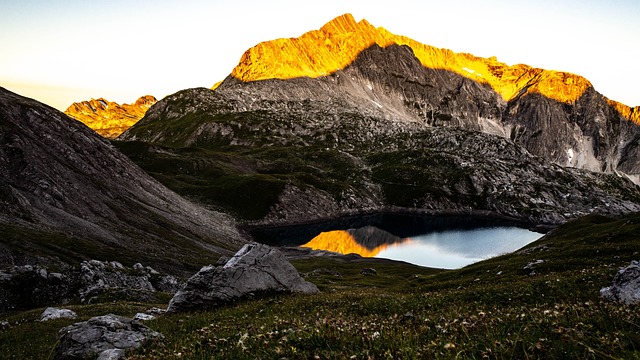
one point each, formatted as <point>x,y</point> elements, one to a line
<point>338,43</point>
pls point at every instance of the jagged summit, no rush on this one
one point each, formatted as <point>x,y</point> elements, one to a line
<point>337,44</point>
<point>108,118</point>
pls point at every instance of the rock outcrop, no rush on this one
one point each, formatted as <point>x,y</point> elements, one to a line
<point>104,337</point>
<point>626,285</point>
<point>110,119</point>
<point>255,269</point>
<point>25,287</point>
<point>67,195</point>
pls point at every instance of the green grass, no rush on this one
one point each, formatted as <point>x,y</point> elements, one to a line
<point>246,181</point>
<point>494,309</point>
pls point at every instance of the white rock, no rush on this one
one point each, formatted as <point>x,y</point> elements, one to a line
<point>51,313</point>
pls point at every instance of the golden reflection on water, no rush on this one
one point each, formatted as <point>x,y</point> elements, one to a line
<point>342,242</point>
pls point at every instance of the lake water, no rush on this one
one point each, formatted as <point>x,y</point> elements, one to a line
<point>457,248</point>
<point>447,242</point>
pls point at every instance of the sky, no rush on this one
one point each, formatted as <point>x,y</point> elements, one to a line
<point>63,51</point>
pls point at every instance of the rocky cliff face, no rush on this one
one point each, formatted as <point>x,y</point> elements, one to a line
<point>67,195</point>
<point>107,118</point>
<point>556,115</point>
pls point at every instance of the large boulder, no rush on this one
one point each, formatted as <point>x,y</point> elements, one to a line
<point>626,285</point>
<point>256,268</point>
<point>104,337</point>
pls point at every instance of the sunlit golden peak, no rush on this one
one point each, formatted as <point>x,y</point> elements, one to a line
<point>336,45</point>
<point>107,118</point>
<point>343,24</point>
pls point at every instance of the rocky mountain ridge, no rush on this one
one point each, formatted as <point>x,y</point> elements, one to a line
<point>108,118</point>
<point>338,43</point>
<point>556,115</point>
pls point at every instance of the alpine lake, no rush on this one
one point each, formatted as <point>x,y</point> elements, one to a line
<point>436,241</point>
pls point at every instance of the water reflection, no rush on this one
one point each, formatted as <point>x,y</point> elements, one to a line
<point>368,241</point>
<point>449,249</point>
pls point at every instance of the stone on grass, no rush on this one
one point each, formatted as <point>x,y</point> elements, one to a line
<point>143,317</point>
<point>368,271</point>
<point>104,337</point>
<point>51,313</point>
<point>256,268</point>
<point>626,285</point>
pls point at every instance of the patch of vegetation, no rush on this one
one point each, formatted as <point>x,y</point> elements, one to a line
<point>540,302</point>
<point>28,338</point>
<point>53,248</point>
<point>410,178</point>
<point>245,181</point>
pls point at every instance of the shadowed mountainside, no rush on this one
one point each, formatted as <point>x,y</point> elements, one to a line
<point>68,195</point>
<point>293,161</point>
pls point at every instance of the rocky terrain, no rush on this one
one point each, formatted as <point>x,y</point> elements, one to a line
<point>30,286</point>
<point>311,159</point>
<point>67,195</point>
<point>108,118</point>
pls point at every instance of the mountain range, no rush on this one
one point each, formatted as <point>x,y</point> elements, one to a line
<point>556,115</point>
<point>352,118</point>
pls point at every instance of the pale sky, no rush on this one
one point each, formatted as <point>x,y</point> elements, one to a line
<point>60,52</point>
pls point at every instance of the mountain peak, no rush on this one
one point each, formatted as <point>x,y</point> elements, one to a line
<point>107,118</point>
<point>343,24</point>
<point>338,43</point>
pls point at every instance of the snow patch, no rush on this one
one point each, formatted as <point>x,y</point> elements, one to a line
<point>570,155</point>
<point>377,104</point>
<point>470,71</point>
<point>370,87</point>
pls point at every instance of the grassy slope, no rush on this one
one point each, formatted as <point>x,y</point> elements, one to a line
<point>494,309</point>
<point>242,180</point>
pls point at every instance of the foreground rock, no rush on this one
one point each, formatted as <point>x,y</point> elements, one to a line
<point>626,285</point>
<point>256,268</point>
<point>107,337</point>
<point>139,281</point>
